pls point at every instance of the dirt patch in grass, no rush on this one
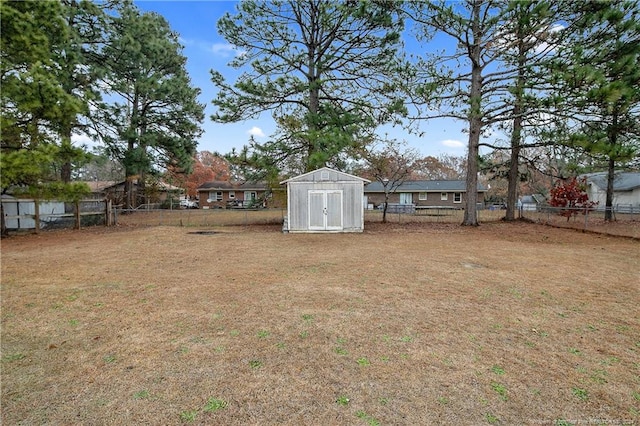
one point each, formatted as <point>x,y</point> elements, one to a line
<point>403,324</point>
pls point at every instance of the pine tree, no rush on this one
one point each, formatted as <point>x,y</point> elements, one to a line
<point>461,92</point>
<point>151,118</point>
<point>322,69</point>
<point>34,104</point>
<point>598,77</point>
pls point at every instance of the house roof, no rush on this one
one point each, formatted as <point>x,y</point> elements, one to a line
<point>303,176</point>
<point>622,181</point>
<point>162,186</point>
<point>426,186</point>
<point>220,185</point>
<point>532,199</point>
<point>99,185</point>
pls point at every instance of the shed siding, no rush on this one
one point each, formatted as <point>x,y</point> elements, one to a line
<point>334,191</point>
<point>353,208</point>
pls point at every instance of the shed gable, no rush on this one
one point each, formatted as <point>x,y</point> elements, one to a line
<point>325,174</point>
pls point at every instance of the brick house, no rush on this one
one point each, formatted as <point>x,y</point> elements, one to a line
<point>424,193</point>
<point>223,194</point>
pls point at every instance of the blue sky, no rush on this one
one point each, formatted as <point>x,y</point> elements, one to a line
<point>205,49</point>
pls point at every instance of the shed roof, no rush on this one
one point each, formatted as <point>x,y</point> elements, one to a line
<point>220,185</point>
<point>425,186</point>
<point>342,175</point>
<point>622,181</point>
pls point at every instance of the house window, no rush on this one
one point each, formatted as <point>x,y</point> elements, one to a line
<point>444,196</point>
<point>250,195</point>
<point>457,197</point>
<point>422,196</point>
<point>232,195</point>
<point>406,198</point>
<point>215,196</point>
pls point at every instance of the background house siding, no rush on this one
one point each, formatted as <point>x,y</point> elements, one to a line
<point>619,197</point>
<point>433,199</point>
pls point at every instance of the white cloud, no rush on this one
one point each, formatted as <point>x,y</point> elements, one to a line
<point>556,28</point>
<point>83,140</point>
<point>226,50</point>
<point>544,47</point>
<point>185,41</point>
<point>256,131</point>
<point>452,143</point>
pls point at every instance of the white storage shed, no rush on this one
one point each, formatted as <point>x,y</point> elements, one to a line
<point>325,200</point>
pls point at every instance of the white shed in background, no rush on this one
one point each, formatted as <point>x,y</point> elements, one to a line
<point>325,200</point>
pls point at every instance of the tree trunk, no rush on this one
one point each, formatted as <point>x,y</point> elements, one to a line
<point>3,226</point>
<point>516,135</point>
<point>132,165</point>
<point>76,207</point>
<point>36,214</point>
<point>65,170</point>
<point>475,121</point>
<point>314,89</point>
<point>613,140</point>
<point>129,181</point>
<point>384,211</point>
<point>471,209</point>
<point>608,212</point>
<point>129,193</point>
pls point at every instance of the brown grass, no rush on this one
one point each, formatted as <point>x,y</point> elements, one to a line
<point>412,323</point>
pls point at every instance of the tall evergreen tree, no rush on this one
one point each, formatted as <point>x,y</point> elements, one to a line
<point>77,59</point>
<point>34,104</point>
<point>493,80</point>
<point>151,117</point>
<point>463,84</point>
<point>529,38</point>
<point>598,76</point>
<point>322,68</point>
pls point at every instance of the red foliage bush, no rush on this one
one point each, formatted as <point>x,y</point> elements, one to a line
<point>571,197</point>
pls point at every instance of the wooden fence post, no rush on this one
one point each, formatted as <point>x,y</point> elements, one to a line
<point>107,213</point>
<point>36,213</point>
<point>77,214</point>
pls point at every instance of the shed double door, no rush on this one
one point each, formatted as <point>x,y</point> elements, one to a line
<point>325,210</point>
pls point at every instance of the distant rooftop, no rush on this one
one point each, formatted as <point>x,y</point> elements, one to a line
<point>426,186</point>
<point>622,181</point>
<point>233,186</point>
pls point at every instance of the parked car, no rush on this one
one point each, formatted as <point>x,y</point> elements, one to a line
<point>188,204</point>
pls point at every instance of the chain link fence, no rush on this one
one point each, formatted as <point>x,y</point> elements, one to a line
<point>626,218</point>
<point>199,217</point>
<point>22,214</point>
<point>246,217</point>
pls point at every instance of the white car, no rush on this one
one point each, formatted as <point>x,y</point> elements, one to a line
<point>188,204</point>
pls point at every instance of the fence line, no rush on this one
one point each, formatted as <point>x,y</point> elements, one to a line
<point>549,213</point>
<point>244,217</point>
<point>625,218</point>
<point>200,217</point>
<point>25,214</point>
<point>36,215</point>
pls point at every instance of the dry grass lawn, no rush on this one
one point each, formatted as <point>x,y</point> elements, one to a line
<point>404,324</point>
